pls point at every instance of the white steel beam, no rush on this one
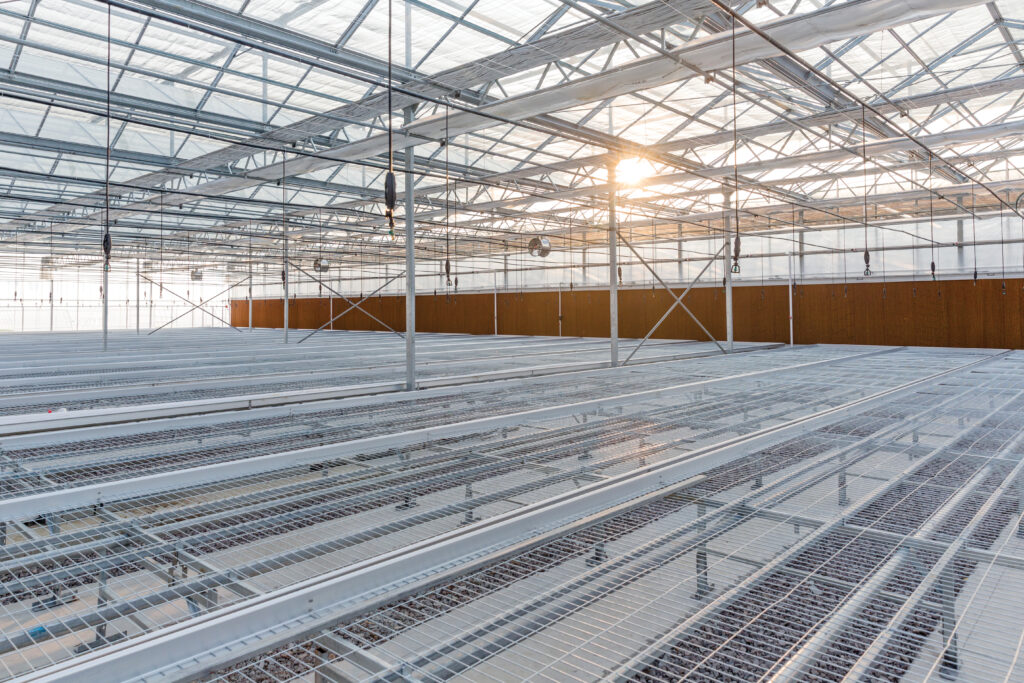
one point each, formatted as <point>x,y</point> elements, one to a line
<point>802,32</point>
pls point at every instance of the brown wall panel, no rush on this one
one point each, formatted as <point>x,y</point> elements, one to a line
<point>389,310</point>
<point>924,313</point>
<point>308,314</point>
<point>465,313</point>
<point>267,313</point>
<point>585,313</point>
<point>240,313</point>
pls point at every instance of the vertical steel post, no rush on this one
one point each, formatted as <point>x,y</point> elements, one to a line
<point>960,240</point>
<point>613,269</point>
<point>679,251</point>
<point>559,310</point>
<point>950,666</point>
<point>495,307</point>
<point>790,298</point>
<point>800,223</point>
<point>51,303</point>
<point>727,255</point>
<point>410,258</point>
<point>106,293</point>
<point>704,587</point>
<point>250,291</point>
<point>138,294</point>
<point>284,250</point>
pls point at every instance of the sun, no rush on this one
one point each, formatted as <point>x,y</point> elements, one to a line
<point>632,170</point>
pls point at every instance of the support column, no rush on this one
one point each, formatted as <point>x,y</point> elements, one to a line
<point>410,264</point>
<point>284,236</point>
<point>138,295</point>
<point>950,666</point>
<point>284,270</point>
<point>790,298</point>
<point>727,255</point>
<point>250,292</point>
<point>800,224</point>
<point>960,240</point>
<point>844,499</point>
<point>559,310</point>
<point>106,296</point>
<point>613,268</point>
<point>704,587</point>
<point>679,251</point>
<point>51,303</point>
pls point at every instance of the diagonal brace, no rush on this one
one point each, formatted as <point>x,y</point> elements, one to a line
<point>678,299</point>
<point>352,306</point>
<point>195,306</point>
<point>334,291</point>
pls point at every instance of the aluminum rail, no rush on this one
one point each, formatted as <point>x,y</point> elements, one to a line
<point>101,493</point>
<point>626,671</point>
<point>795,666</point>
<point>732,512</point>
<point>973,554</point>
<point>13,425</point>
<point>864,664</point>
<point>283,615</point>
<point>28,555</point>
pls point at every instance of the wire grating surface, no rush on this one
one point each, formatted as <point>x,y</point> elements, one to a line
<point>568,610</point>
<point>82,578</point>
<point>193,371</point>
<point>44,466</point>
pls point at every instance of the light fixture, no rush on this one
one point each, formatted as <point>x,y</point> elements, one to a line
<point>632,170</point>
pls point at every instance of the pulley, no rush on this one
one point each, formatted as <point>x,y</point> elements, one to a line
<point>390,200</point>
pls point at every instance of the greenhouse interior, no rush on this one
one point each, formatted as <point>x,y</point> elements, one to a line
<point>549,340</point>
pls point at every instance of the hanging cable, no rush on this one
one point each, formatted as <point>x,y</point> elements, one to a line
<point>161,219</point>
<point>106,227</point>
<point>843,254</point>
<point>1002,248</point>
<point>735,161</point>
<point>390,183</point>
<point>447,197</point>
<point>455,243</point>
<point>974,230</point>
<point>864,153</point>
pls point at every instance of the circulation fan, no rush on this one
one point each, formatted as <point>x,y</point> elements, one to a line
<point>539,246</point>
